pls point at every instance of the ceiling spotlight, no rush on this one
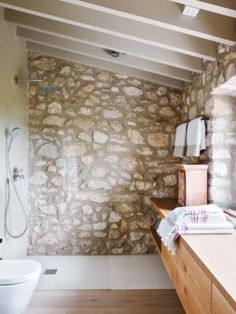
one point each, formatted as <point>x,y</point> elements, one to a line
<point>190,11</point>
<point>113,53</point>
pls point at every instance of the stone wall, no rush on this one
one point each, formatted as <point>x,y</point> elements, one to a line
<point>100,146</point>
<point>197,94</point>
<point>222,151</point>
<point>221,143</point>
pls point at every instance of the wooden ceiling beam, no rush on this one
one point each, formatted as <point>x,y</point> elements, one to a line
<point>116,25</point>
<point>107,41</point>
<point>222,7</point>
<point>101,64</point>
<point>166,14</point>
<point>98,53</point>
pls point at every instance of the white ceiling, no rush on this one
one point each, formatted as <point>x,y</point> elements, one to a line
<point>159,43</point>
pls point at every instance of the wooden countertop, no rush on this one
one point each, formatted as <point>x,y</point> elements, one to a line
<point>215,253</point>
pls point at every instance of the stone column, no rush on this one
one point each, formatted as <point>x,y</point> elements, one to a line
<point>222,150</point>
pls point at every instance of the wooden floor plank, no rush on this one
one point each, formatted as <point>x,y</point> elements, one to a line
<point>106,302</point>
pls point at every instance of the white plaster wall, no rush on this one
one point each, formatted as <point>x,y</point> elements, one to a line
<point>13,112</point>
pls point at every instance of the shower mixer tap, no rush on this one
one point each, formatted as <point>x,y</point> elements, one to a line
<point>17,174</point>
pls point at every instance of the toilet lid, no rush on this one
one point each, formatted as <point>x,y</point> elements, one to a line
<point>18,270</point>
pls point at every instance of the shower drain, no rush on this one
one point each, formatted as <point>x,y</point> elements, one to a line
<point>50,271</point>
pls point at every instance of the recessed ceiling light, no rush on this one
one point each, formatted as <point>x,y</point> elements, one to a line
<point>190,11</point>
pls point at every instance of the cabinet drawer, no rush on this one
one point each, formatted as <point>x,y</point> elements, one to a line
<point>171,264</point>
<point>194,287</point>
<point>219,304</point>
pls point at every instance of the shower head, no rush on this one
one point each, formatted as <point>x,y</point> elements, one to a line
<point>10,136</point>
<point>45,87</point>
<point>14,132</point>
<point>48,88</point>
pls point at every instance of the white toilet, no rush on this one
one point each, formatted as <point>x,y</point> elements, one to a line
<point>18,281</point>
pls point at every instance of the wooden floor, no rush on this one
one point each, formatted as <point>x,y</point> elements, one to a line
<point>105,302</point>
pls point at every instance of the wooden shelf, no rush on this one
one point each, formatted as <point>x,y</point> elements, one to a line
<point>163,206</point>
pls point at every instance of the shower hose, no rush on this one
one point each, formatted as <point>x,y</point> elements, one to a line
<point>10,181</point>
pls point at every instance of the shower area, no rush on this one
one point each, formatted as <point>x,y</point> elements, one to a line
<point>97,152</point>
<point>82,160</point>
<point>85,149</point>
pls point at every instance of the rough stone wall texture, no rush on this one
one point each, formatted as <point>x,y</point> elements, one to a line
<point>197,94</point>
<point>99,147</point>
<point>222,151</point>
<point>221,137</point>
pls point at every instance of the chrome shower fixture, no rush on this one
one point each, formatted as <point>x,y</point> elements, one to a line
<point>12,134</point>
<point>15,131</point>
<point>17,80</point>
<point>45,87</point>
<point>12,176</point>
<point>17,174</point>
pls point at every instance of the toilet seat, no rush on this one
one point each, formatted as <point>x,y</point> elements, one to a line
<point>17,271</point>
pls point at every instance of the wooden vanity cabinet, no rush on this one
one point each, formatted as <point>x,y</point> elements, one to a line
<point>194,286</point>
<point>171,263</point>
<point>219,304</point>
<point>203,270</point>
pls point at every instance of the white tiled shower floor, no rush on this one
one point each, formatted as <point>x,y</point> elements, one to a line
<point>103,272</point>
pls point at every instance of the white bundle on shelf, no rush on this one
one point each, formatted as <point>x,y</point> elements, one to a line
<point>205,219</point>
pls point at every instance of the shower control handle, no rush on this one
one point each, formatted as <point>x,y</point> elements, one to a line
<point>17,174</point>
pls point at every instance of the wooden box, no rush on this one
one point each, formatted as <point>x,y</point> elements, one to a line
<point>192,185</point>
